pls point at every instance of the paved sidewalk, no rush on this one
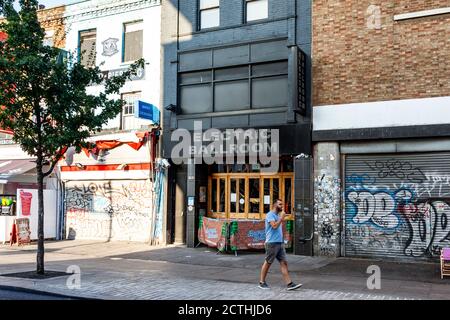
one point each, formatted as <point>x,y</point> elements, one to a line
<point>118,270</point>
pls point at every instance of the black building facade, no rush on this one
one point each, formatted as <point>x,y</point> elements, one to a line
<point>238,64</point>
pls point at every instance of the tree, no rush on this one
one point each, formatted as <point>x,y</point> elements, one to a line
<point>43,98</point>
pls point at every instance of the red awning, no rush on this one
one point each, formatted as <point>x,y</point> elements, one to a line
<point>6,131</point>
<point>136,143</point>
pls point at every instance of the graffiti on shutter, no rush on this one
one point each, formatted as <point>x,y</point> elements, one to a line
<point>397,205</point>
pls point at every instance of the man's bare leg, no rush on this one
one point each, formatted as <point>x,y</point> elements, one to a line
<point>264,270</point>
<point>285,272</point>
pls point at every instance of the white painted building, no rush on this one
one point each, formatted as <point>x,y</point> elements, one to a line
<point>119,31</point>
<point>109,196</point>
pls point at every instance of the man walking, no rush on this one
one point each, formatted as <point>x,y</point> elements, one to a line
<point>275,246</point>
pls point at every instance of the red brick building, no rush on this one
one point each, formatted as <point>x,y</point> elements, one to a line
<point>381,127</point>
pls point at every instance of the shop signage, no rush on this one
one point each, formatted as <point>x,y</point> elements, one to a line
<point>140,75</point>
<point>147,111</point>
<point>6,138</point>
<point>110,47</point>
<point>260,146</point>
<point>21,231</point>
<point>6,141</point>
<point>27,207</point>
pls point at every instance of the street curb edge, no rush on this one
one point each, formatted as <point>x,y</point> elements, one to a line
<point>42,292</point>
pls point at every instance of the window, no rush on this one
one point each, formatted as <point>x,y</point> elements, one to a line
<point>237,88</point>
<point>48,38</point>
<point>217,196</point>
<point>128,121</point>
<point>263,89</point>
<point>271,192</point>
<point>209,14</point>
<point>133,39</point>
<point>87,47</point>
<point>256,10</point>
<point>231,96</point>
<point>248,195</point>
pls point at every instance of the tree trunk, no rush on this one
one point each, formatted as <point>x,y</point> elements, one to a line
<point>40,251</point>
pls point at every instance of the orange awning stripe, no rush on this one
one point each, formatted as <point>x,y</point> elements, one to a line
<point>107,167</point>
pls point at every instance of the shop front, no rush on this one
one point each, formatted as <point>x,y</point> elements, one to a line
<point>242,195</point>
<point>18,196</point>
<point>111,189</point>
<point>13,175</point>
<point>226,203</point>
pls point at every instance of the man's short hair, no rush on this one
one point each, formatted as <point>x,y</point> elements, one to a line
<point>276,200</point>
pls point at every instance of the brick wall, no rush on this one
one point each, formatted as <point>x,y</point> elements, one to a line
<point>400,60</point>
<point>52,20</point>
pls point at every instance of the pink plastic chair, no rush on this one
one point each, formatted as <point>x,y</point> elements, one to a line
<point>445,262</point>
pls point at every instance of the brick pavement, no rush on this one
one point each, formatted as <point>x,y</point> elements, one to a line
<point>133,271</point>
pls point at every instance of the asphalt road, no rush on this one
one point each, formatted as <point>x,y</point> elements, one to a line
<point>17,295</point>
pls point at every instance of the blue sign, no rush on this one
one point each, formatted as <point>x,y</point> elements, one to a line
<point>147,111</point>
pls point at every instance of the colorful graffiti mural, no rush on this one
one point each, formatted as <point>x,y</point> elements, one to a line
<point>112,210</point>
<point>397,208</point>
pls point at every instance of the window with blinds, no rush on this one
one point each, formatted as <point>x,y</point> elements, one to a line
<point>133,41</point>
<point>87,47</point>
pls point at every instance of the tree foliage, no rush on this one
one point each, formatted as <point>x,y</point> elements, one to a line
<point>43,97</point>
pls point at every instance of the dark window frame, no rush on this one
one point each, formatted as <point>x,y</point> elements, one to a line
<point>245,11</point>
<point>250,77</point>
<point>199,15</point>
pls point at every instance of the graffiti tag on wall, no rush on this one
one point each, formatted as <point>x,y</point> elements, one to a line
<point>400,169</point>
<point>113,210</point>
<point>326,208</point>
<point>378,207</point>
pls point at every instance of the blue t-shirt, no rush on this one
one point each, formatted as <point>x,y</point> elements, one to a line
<point>273,235</point>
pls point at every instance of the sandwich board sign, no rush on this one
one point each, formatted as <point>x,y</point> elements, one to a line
<point>21,232</point>
<point>147,111</point>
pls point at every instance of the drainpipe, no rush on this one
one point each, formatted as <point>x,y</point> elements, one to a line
<point>293,70</point>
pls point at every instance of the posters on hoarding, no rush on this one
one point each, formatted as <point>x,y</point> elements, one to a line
<point>202,194</point>
<point>27,207</point>
<point>22,235</point>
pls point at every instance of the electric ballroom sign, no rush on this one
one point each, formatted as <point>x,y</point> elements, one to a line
<point>232,146</point>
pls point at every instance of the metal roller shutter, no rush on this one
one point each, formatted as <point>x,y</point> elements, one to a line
<point>397,205</point>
